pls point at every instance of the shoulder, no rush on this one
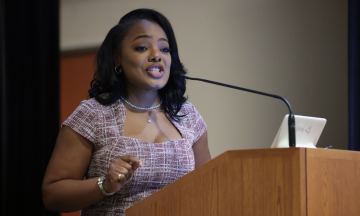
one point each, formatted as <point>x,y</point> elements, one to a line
<point>187,108</point>
<point>91,103</point>
<point>89,119</point>
<point>87,111</point>
<point>192,121</point>
<point>92,110</point>
<point>189,113</point>
<point>95,106</point>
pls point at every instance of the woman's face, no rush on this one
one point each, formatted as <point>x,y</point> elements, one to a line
<point>145,57</point>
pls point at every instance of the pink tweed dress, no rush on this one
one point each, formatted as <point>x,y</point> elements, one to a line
<point>163,163</point>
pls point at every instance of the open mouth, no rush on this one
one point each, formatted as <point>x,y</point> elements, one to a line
<point>155,70</point>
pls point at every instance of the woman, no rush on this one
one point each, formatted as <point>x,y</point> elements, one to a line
<point>136,134</point>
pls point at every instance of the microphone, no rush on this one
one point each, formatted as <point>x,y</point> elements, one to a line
<point>291,119</point>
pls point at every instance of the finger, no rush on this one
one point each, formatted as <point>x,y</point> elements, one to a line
<point>137,165</point>
<point>130,174</point>
<point>112,176</point>
<point>129,158</point>
<point>119,162</point>
<point>122,170</point>
<point>132,160</point>
<point>121,177</point>
<point>127,172</point>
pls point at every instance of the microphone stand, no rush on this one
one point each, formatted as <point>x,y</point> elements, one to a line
<point>291,122</point>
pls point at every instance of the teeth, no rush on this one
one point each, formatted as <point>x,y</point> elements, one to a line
<point>155,69</point>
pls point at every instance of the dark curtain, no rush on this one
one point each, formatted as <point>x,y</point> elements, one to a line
<point>354,74</point>
<point>29,101</point>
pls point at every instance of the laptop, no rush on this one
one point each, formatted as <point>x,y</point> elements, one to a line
<point>307,129</point>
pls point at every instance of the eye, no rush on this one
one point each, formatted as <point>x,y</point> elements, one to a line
<point>165,50</point>
<point>140,48</point>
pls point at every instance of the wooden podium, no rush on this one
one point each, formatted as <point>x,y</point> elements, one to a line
<point>289,182</point>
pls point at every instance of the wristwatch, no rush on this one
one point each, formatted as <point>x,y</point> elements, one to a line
<point>100,183</point>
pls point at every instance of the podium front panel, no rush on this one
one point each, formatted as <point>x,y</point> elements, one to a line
<point>245,182</point>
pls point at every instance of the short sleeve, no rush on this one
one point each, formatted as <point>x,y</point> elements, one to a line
<point>84,120</point>
<point>199,125</point>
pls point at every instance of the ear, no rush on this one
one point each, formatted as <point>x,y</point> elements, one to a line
<point>117,59</point>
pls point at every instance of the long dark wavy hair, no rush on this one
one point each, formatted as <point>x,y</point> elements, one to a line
<point>107,81</point>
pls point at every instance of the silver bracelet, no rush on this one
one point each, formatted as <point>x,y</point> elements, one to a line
<point>100,183</point>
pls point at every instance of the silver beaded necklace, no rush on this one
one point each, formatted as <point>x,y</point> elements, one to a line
<point>142,108</point>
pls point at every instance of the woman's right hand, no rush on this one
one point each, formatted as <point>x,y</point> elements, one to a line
<point>124,165</point>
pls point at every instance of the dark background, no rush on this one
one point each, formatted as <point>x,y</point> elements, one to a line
<point>29,101</point>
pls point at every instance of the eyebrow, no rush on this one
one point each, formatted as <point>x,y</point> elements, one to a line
<point>148,36</point>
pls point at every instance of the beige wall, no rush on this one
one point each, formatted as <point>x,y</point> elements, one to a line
<point>297,49</point>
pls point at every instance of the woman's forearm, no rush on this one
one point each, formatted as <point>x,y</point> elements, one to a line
<point>71,195</point>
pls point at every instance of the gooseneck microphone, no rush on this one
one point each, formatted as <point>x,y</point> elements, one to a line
<point>291,122</point>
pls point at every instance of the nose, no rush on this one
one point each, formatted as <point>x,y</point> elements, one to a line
<point>155,55</point>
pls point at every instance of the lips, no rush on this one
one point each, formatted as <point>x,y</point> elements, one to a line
<point>155,71</point>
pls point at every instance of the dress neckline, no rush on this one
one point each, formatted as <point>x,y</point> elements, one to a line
<point>174,123</point>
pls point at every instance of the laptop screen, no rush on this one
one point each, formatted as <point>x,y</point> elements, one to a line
<point>307,129</point>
